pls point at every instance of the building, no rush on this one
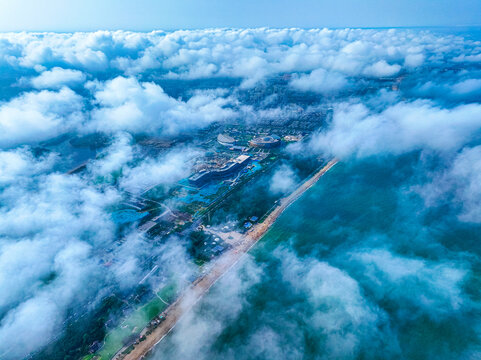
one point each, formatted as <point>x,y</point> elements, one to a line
<point>147,226</point>
<point>94,347</point>
<point>266,142</point>
<point>217,249</point>
<point>229,169</point>
<point>290,138</point>
<point>225,140</point>
<point>247,225</point>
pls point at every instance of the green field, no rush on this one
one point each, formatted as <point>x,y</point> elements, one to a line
<point>135,322</point>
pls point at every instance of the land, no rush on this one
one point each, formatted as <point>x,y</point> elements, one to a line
<point>213,222</point>
<point>222,265</point>
<point>210,220</point>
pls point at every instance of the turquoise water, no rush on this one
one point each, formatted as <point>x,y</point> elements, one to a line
<point>256,167</point>
<point>358,268</point>
<point>203,195</point>
<point>127,216</point>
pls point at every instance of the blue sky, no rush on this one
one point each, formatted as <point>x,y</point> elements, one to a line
<point>144,15</point>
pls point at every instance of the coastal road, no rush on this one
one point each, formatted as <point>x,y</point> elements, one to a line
<point>225,262</point>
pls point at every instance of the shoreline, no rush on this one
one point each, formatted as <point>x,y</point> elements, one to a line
<point>186,301</point>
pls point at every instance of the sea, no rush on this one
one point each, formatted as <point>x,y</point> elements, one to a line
<point>362,266</point>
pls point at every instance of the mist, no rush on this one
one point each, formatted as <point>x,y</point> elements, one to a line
<point>380,259</point>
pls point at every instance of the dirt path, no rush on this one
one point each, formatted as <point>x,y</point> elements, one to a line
<point>202,285</point>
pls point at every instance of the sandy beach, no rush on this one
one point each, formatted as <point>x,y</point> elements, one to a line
<point>225,262</point>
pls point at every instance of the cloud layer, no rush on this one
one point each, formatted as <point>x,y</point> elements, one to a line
<point>376,96</point>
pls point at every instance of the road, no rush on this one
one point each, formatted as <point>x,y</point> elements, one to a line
<point>225,262</point>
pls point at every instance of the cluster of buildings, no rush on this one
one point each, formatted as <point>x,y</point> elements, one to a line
<point>266,142</point>
<point>233,167</point>
<point>229,169</point>
<point>226,140</point>
<point>293,138</point>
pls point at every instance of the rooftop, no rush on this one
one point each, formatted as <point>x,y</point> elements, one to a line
<point>224,138</point>
<point>241,158</point>
<point>266,139</point>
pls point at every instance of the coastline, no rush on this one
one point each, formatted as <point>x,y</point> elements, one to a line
<point>201,286</point>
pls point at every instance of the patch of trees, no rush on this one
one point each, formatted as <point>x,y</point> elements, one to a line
<point>80,334</point>
<point>196,245</point>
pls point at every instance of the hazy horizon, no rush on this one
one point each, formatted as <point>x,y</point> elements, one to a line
<point>145,15</point>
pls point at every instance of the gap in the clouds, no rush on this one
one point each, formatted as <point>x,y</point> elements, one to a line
<point>9,87</point>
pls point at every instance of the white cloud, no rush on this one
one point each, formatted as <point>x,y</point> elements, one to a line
<point>55,231</point>
<point>196,332</point>
<point>400,128</point>
<point>19,164</point>
<point>37,116</point>
<point>459,184</point>
<point>414,60</point>
<point>126,104</point>
<point>433,288</point>
<point>171,168</point>
<point>110,162</point>
<point>283,180</point>
<point>341,312</point>
<point>46,259</point>
<point>468,58</point>
<point>320,81</point>
<point>468,86</point>
<point>57,78</point>
<point>382,69</point>
<point>250,54</point>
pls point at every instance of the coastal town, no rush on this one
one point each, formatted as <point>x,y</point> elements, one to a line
<point>162,325</point>
<point>231,173</point>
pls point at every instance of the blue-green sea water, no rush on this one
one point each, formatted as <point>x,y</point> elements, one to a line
<point>358,268</point>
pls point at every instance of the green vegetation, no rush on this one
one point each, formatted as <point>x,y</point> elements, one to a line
<point>196,245</point>
<point>131,327</point>
<point>168,292</point>
<point>250,197</point>
<point>71,345</point>
<point>128,350</point>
